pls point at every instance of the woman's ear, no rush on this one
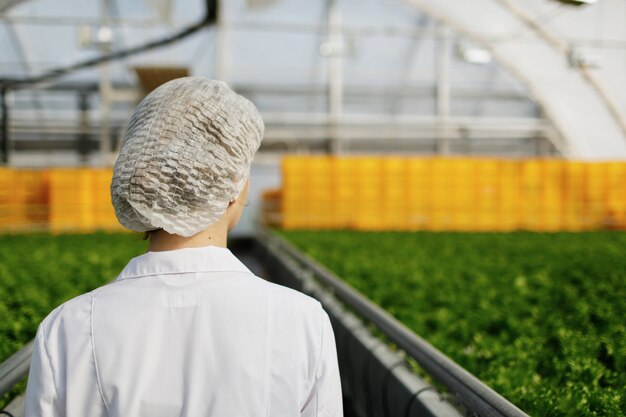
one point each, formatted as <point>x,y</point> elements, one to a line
<point>242,198</point>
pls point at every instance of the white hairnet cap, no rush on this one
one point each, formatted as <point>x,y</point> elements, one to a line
<point>186,155</point>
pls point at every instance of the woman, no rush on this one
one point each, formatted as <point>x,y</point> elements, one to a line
<point>186,329</point>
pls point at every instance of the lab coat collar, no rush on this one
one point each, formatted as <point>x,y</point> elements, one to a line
<point>179,261</point>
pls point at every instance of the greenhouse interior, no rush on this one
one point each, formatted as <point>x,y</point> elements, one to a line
<point>447,179</point>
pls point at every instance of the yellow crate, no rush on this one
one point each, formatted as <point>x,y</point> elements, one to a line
<point>394,172</point>
<point>344,180</point>
<point>80,200</point>
<point>508,219</point>
<point>71,200</point>
<point>23,199</point>
<point>595,195</point>
<point>104,214</point>
<point>418,173</point>
<point>293,221</point>
<point>616,187</point>
<point>343,214</point>
<point>486,184</point>
<point>367,221</point>
<point>551,221</point>
<point>463,220</point>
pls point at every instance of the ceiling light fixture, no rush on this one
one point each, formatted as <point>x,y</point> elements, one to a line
<point>473,54</point>
<point>577,2</point>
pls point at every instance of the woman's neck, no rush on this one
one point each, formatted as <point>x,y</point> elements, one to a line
<point>214,235</point>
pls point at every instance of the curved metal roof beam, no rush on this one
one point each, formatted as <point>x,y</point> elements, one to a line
<point>575,102</point>
<point>5,5</point>
<point>566,49</point>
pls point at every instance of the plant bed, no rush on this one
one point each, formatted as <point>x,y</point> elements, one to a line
<point>537,316</point>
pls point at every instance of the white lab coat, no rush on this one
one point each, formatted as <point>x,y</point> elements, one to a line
<point>188,332</point>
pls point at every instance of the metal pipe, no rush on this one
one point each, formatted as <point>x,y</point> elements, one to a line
<point>209,18</point>
<point>14,369</point>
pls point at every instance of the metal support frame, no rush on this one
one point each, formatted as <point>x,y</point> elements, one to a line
<point>4,126</point>
<point>613,108</point>
<point>106,91</point>
<point>483,98</point>
<point>25,63</point>
<point>335,74</point>
<point>443,87</point>
<point>105,113</point>
<point>316,67</point>
<point>412,57</point>
<point>83,136</point>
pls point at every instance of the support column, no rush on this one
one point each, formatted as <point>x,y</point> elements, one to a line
<point>83,136</point>
<point>443,88</point>
<point>105,113</point>
<point>222,58</point>
<point>106,93</point>
<point>335,74</point>
<point>4,126</point>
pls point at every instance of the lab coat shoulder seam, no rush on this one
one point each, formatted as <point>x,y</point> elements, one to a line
<point>319,357</point>
<point>268,351</point>
<point>93,351</point>
<point>52,316</point>
<point>49,361</point>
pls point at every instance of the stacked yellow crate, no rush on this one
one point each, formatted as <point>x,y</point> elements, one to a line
<point>367,193</point>
<point>80,201</point>
<point>574,196</point>
<point>369,184</point>
<point>295,193</point>
<point>438,196</point>
<point>595,198</point>
<point>393,205</point>
<point>104,215</point>
<point>70,200</point>
<point>530,189</point>
<point>319,196</point>
<point>418,183</point>
<point>486,173</point>
<point>6,188</point>
<point>463,194</point>
<point>396,193</point>
<point>23,199</point>
<point>616,195</point>
<point>343,180</point>
<point>509,197</point>
<point>550,204</point>
<point>271,207</point>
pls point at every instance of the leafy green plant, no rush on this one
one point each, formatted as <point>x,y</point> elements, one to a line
<point>40,271</point>
<point>539,317</point>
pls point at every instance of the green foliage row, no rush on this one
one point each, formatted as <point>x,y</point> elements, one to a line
<point>539,317</point>
<point>40,271</point>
